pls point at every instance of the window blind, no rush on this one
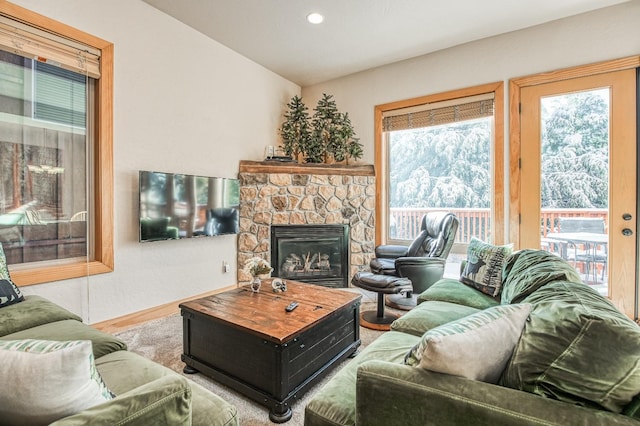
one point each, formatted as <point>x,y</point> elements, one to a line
<point>43,46</point>
<point>59,95</point>
<point>438,113</point>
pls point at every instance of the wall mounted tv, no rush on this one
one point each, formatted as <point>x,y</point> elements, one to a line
<point>176,206</point>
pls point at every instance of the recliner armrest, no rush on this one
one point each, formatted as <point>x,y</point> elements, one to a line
<point>391,251</point>
<point>389,394</point>
<point>422,271</point>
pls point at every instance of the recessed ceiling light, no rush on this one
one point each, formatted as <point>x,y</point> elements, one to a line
<point>315,18</point>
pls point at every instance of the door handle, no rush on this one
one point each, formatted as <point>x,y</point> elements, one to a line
<point>626,216</point>
<point>627,232</point>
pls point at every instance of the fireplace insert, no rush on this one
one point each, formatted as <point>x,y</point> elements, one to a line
<point>316,254</point>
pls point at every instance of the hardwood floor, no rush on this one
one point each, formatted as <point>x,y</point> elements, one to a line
<point>125,322</point>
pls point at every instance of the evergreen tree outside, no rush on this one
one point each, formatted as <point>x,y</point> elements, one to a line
<point>446,166</point>
<point>449,166</point>
<point>575,150</point>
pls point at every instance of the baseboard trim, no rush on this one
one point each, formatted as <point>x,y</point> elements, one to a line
<point>125,322</point>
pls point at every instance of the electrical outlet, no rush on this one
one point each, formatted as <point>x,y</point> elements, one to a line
<point>225,266</point>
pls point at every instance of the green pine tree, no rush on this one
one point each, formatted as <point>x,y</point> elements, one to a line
<point>332,133</point>
<point>324,127</point>
<point>295,131</point>
<point>352,148</point>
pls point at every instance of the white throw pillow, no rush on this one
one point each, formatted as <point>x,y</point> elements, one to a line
<point>45,380</point>
<point>477,347</point>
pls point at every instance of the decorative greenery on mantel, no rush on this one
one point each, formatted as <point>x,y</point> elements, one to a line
<point>306,169</point>
<point>326,136</point>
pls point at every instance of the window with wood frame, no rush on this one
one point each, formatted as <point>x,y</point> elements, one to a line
<point>56,177</point>
<point>441,152</point>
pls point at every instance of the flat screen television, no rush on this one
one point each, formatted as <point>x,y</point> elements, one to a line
<point>176,206</point>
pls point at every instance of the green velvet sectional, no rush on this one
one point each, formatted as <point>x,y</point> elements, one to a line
<point>146,393</point>
<point>576,362</point>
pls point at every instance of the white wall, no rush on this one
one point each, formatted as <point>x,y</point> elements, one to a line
<point>605,34</point>
<point>182,103</point>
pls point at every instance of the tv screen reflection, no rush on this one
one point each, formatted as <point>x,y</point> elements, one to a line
<point>176,206</point>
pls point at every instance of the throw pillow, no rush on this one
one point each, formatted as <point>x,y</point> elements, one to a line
<point>483,269</point>
<point>477,347</point>
<point>528,270</point>
<point>9,292</point>
<point>48,380</point>
<point>577,348</point>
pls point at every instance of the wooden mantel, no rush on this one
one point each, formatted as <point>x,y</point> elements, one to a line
<point>306,169</point>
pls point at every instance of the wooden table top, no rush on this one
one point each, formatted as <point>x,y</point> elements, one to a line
<point>263,313</point>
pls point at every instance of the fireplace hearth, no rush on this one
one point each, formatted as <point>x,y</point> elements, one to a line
<point>316,254</point>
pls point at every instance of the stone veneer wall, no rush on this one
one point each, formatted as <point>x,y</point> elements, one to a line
<point>298,195</point>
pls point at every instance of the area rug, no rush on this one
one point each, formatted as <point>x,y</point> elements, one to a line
<point>161,341</point>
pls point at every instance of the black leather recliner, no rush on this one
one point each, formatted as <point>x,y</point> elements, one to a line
<point>423,262</point>
<point>398,272</point>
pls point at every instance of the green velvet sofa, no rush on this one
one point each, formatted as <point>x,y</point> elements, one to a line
<point>576,361</point>
<point>146,393</point>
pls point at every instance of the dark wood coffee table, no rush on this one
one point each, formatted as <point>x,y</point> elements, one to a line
<point>248,341</point>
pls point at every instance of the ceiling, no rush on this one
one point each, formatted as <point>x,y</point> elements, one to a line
<point>358,34</point>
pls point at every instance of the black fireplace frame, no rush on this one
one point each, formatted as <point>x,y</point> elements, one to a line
<point>313,232</point>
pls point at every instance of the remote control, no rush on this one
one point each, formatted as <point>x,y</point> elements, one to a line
<point>291,306</point>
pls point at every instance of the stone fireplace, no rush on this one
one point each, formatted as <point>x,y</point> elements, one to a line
<point>280,195</point>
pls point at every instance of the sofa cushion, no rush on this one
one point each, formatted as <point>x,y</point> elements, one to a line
<point>430,315</point>
<point>477,347</point>
<point>124,371</point>
<point>578,348</point>
<point>527,270</point>
<point>453,291</point>
<point>33,311</point>
<point>9,292</point>
<point>164,401</point>
<point>47,380</point>
<point>483,269</point>
<point>398,395</point>
<point>102,343</point>
<point>335,402</point>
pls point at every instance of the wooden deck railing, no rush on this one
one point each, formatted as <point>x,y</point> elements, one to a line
<point>477,222</point>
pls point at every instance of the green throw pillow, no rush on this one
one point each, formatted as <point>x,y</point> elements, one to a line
<point>483,268</point>
<point>477,347</point>
<point>9,292</point>
<point>163,401</point>
<point>527,270</point>
<point>577,348</point>
<point>48,380</point>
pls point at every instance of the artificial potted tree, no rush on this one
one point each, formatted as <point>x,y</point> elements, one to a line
<point>295,130</point>
<point>332,134</point>
<point>350,146</point>
<point>324,133</point>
